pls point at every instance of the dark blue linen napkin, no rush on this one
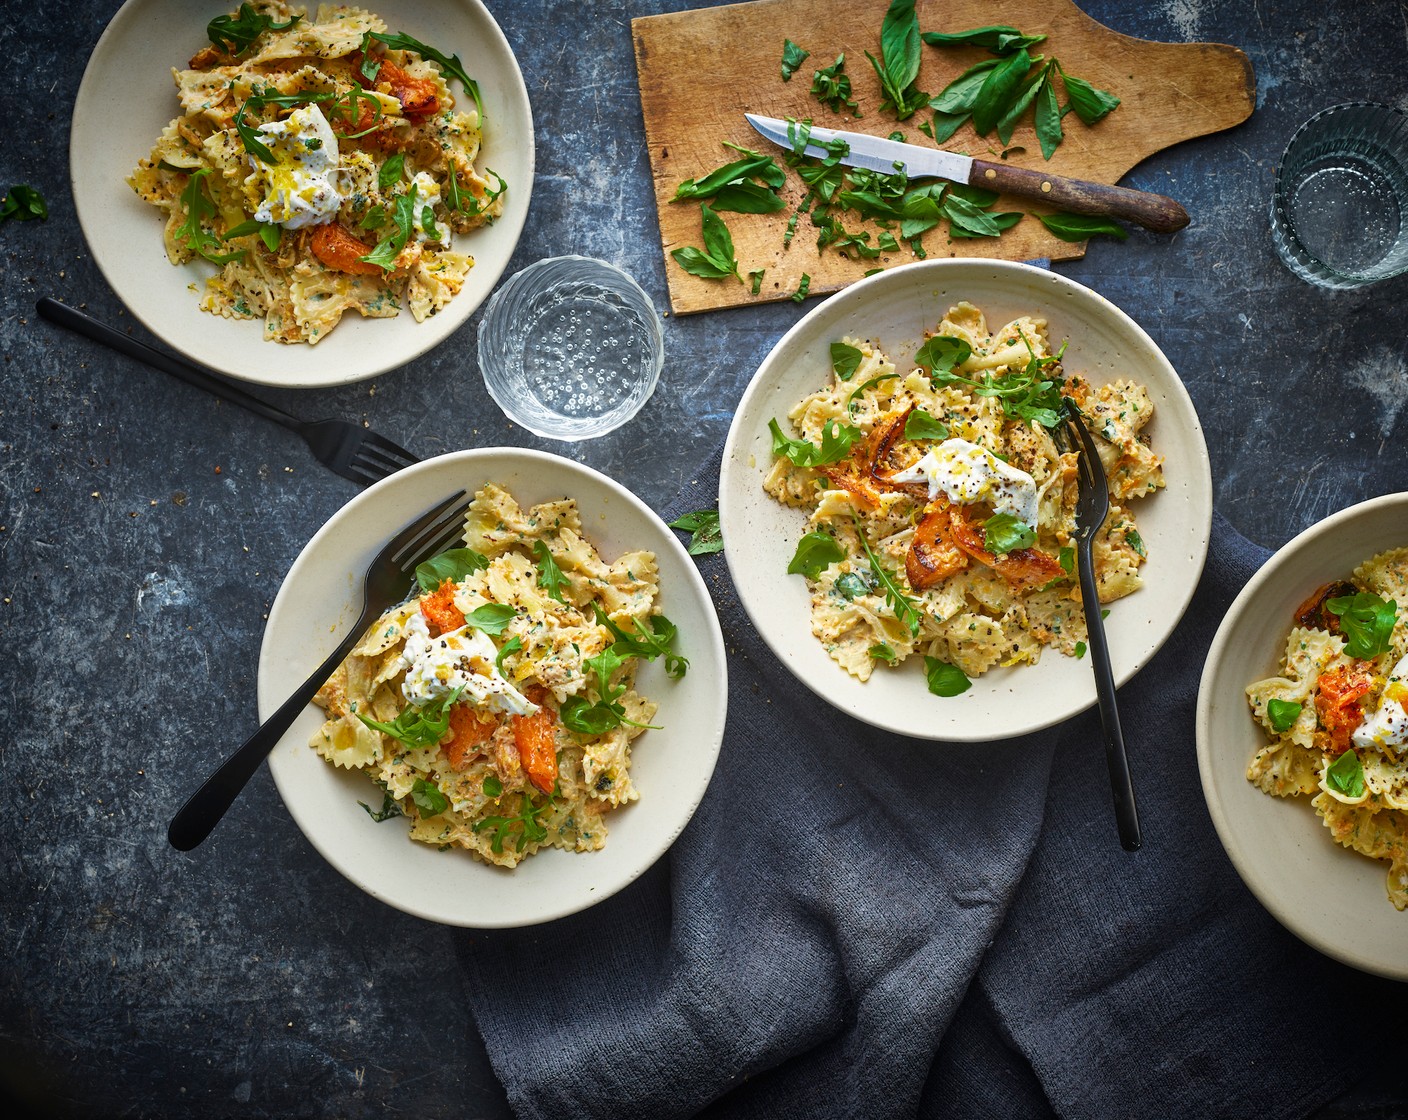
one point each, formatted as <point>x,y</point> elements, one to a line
<point>860,924</point>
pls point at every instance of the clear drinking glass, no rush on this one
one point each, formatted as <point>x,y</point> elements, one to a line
<point>570,347</point>
<point>1339,212</point>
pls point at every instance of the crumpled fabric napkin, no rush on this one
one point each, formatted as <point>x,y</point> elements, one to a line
<point>857,924</point>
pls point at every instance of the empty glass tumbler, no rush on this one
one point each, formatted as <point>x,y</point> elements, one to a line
<point>1339,212</point>
<point>570,347</point>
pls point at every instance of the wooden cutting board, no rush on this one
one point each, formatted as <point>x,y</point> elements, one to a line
<point>700,71</point>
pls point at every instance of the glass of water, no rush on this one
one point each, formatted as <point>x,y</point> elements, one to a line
<point>1339,213</point>
<point>570,347</point>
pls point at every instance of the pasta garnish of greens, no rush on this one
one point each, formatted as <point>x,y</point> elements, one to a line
<point>940,510</point>
<point>324,166</point>
<point>1335,717</point>
<point>496,707</point>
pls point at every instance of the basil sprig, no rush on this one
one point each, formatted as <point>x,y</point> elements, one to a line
<point>1366,621</point>
<point>716,260</point>
<point>898,66</point>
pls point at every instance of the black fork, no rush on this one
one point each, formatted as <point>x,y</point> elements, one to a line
<point>386,585</point>
<point>1092,507</point>
<point>354,452</point>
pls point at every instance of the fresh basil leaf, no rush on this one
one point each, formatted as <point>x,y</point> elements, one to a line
<point>1282,714</point>
<point>815,553</point>
<point>1079,227</point>
<point>961,94</point>
<point>1026,94</point>
<point>1002,532</point>
<point>237,33</point>
<point>513,645</point>
<point>1136,542</point>
<point>390,807</point>
<point>792,57</point>
<point>748,198</point>
<point>550,576</point>
<point>453,565</point>
<point>716,261</point>
<point>945,679</point>
<point>753,165</point>
<point>920,214</point>
<point>998,91</point>
<point>1090,104</point>
<point>23,203</point>
<point>920,425</point>
<point>1048,120</point>
<point>804,287</point>
<point>391,172</point>
<point>1003,222</point>
<point>1080,650</point>
<point>428,799</point>
<point>971,219</point>
<point>998,38</point>
<point>945,125</point>
<point>1346,775</point>
<point>756,276</point>
<point>941,353</point>
<point>883,651</point>
<point>899,44</point>
<point>491,618</point>
<point>1366,622</point>
<point>845,360</point>
<point>493,787</point>
<point>706,534</point>
<point>698,263</point>
<point>1067,559</point>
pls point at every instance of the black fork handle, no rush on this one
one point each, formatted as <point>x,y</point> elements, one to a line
<point>84,324</point>
<point>203,810</point>
<point>1121,782</point>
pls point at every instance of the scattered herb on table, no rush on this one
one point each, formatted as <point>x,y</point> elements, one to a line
<point>804,287</point>
<point>23,203</point>
<point>706,534</point>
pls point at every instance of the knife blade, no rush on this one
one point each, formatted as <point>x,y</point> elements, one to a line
<point>1075,196</point>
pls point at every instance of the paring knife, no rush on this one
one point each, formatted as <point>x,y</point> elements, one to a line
<point>1075,196</point>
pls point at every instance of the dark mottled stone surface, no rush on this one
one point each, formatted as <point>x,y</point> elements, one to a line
<point>145,528</point>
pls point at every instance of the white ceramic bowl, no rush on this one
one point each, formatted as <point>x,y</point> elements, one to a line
<point>127,97</point>
<point>1330,897</point>
<point>671,767</point>
<point>895,308</point>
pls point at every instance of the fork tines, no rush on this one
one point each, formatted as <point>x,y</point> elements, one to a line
<point>376,457</point>
<point>430,534</point>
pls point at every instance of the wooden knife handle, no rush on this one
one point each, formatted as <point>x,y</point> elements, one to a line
<point>1076,196</point>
